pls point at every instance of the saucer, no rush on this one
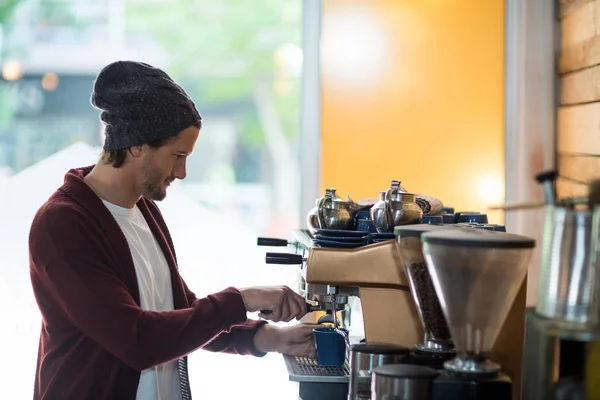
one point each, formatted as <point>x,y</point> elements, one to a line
<point>345,239</point>
<point>337,245</point>
<point>338,233</point>
<point>379,236</point>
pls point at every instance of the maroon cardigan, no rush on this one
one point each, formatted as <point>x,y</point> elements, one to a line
<point>95,338</point>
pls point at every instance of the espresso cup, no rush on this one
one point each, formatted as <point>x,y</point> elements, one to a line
<point>330,346</point>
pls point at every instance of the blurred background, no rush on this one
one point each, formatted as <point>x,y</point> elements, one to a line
<point>241,62</point>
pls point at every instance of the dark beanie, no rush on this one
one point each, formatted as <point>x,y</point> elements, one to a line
<point>140,104</point>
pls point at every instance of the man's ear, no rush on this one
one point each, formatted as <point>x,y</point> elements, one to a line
<point>136,151</point>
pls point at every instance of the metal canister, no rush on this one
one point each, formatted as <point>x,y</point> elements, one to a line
<point>569,276</point>
<point>402,382</point>
<point>364,357</point>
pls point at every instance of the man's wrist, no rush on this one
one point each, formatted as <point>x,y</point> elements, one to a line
<point>266,339</point>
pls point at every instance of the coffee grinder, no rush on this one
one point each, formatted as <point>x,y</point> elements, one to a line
<point>477,275</point>
<point>437,346</point>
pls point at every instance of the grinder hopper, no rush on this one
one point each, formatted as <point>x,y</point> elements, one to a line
<point>437,339</point>
<point>477,275</point>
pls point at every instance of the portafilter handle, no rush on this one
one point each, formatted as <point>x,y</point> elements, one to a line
<point>309,308</point>
<point>284,259</point>
<point>273,242</point>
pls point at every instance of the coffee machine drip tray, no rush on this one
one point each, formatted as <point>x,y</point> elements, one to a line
<point>302,369</point>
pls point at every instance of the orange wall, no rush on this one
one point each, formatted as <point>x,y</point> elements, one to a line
<point>413,90</point>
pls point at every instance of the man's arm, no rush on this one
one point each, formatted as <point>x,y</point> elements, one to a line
<point>71,273</point>
<point>239,340</point>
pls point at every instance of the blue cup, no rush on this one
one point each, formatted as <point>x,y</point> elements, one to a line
<point>448,219</point>
<point>472,217</point>
<point>432,219</point>
<point>330,346</point>
<point>500,228</point>
<point>365,214</point>
<point>366,225</point>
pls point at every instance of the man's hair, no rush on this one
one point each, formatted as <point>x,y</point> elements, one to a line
<point>117,158</point>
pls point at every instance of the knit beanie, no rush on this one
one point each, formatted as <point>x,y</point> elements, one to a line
<point>140,104</point>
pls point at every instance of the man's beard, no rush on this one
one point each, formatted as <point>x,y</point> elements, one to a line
<point>154,184</point>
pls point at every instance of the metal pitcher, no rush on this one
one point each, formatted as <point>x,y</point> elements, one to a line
<point>377,211</point>
<point>569,289</point>
<point>398,208</point>
<point>331,212</point>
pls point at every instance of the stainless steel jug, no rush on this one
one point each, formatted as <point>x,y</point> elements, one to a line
<point>397,208</point>
<point>569,288</point>
<point>331,212</point>
<point>364,358</point>
<point>402,382</point>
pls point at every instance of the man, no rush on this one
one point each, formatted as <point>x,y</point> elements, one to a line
<point>118,319</point>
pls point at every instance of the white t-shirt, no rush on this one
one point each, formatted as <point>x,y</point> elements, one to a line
<point>156,294</point>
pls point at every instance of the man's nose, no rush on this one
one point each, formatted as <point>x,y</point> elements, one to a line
<point>180,172</point>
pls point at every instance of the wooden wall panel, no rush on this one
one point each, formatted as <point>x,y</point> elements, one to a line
<point>579,168</point>
<point>567,188</point>
<point>578,141</point>
<point>580,55</point>
<point>579,129</point>
<point>581,87</point>
<point>579,25</point>
<point>579,40</point>
<point>566,7</point>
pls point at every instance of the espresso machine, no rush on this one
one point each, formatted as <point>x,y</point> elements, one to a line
<point>376,279</point>
<point>373,275</point>
<point>482,302</point>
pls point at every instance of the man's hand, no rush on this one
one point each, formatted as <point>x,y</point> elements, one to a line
<point>296,340</point>
<point>282,301</point>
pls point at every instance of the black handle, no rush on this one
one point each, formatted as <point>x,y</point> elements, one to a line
<point>550,175</point>
<point>271,242</point>
<point>284,258</point>
<point>309,308</point>
<point>548,181</point>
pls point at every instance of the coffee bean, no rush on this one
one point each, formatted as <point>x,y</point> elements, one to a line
<point>431,310</point>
